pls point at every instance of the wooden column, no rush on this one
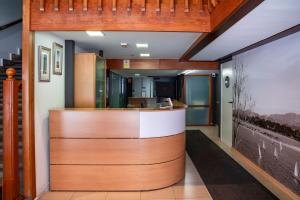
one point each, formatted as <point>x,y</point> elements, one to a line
<point>28,104</point>
<point>11,186</point>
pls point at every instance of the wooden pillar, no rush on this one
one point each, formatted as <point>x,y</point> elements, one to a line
<point>28,104</point>
<point>11,186</point>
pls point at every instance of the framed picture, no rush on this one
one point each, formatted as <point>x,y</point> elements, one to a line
<point>57,58</point>
<point>44,64</point>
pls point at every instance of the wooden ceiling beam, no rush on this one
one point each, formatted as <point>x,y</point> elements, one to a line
<point>85,5</point>
<point>172,6</point>
<point>236,12</point>
<point>100,6</point>
<point>163,64</point>
<point>186,6</point>
<point>56,5</point>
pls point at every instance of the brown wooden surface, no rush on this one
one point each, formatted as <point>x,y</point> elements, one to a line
<point>71,5</point>
<point>117,151</point>
<point>116,177</point>
<point>94,124</point>
<point>162,64</point>
<point>224,16</point>
<point>11,186</point>
<point>85,80</point>
<point>28,105</point>
<point>119,19</point>
<point>56,5</point>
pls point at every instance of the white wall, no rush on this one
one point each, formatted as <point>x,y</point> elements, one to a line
<point>48,95</point>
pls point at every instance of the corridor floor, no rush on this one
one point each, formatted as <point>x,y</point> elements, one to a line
<point>224,178</point>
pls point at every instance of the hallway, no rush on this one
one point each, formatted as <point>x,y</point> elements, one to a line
<point>224,178</point>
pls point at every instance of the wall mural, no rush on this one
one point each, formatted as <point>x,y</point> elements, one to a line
<point>266,108</point>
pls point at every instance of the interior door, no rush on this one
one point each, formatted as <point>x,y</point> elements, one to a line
<point>198,99</point>
<point>226,103</point>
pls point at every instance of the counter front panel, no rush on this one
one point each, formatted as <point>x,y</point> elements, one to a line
<point>116,150</point>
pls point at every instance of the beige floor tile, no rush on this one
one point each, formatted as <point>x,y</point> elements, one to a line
<point>163,194</point>
<point>89,196</point>
<point>123,196</point>
<point>56,196</point>
<point>191,191</point>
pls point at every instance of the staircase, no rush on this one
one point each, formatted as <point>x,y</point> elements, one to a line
<point>14,61</point>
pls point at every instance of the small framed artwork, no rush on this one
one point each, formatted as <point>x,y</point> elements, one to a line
<point>44,64</point>
<point>57,58</point>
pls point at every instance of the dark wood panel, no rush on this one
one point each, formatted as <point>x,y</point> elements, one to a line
<point>163,64</point>
<point>116,17</point>
<point>87,123</point>
<point>116,177</point>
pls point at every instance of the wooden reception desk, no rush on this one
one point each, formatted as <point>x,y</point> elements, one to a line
<point>116,149</point>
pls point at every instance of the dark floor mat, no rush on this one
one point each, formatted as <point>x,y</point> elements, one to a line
<point>224,178</point>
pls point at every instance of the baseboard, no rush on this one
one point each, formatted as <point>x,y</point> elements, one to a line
<point>278,189</point>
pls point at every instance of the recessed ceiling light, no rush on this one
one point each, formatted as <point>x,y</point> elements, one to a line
<point>95,33</point>
<point>142,45</point>
<point>136,74</point>
<point>145,54</point>
<point>123,44</point>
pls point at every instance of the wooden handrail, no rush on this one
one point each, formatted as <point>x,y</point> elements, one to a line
<point>11,186</point>
<point>10,24</point>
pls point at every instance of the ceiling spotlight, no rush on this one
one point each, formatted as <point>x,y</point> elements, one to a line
<point>95,33</point>
<point>142,45</point>
<point>124,44</point>
<point>136,74</point>
<point>145,54</point>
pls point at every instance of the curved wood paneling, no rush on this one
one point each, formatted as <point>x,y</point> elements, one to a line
<point>92,123</point>
<point>117,151</point>
<point>116,177</point>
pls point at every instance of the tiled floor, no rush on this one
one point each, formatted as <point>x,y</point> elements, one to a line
<point>191,188</point>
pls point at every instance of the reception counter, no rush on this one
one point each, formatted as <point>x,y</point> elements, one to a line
<point>116,149</point>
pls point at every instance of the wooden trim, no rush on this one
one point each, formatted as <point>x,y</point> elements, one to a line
<point>172,6</point>
<point>201,6</point>
<point>42,5</point>
<point>116,151</point>
<point>206,38</point>
<point>100,6</point>
<point>114,5</point>
<point>56,5</point>
<point>117,12</point>
<point>85,5</point>
<point>163,64</point>
<point>186,6</point>
<point>10,24</point>
<point>116,177</point>
<point>270,39</point>
<point>157,9</point>
<point>129,5</point>
<point>102,124</point>
<point>28,104</point>
<point>143,7</point>
<point>71,5</point>
<point>11,181</point>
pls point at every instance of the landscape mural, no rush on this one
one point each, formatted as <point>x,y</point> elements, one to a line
<point>266,108</point>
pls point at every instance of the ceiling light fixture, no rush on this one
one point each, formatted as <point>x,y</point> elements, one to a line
<point>142,45</point>
<point>136,74</point>
<point>145,54</point>
<point>124,44</point>
<point>95,33</point>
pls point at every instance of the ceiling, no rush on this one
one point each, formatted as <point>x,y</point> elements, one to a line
<point>269,18</point>
<point>161,73</point>
<point>166,45</point>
